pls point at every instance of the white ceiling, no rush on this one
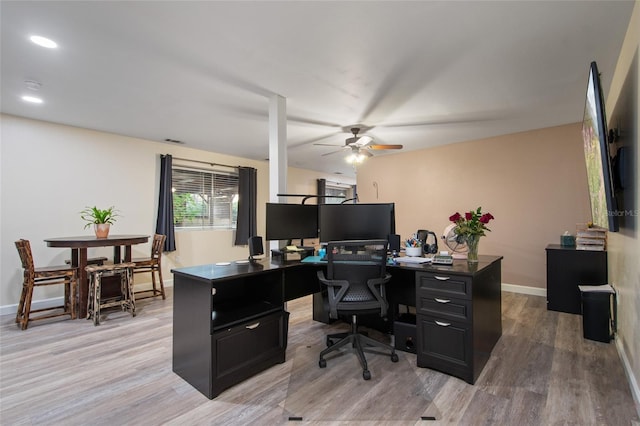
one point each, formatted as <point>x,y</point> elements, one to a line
<point>420,74</point>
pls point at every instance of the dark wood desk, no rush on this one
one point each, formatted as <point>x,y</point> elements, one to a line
<point>79,246</point>
<point>229,321</point>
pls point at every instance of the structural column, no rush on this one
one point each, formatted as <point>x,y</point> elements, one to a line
<point>277,150</point>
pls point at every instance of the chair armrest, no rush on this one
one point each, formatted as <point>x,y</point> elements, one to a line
<point>378,289</point>
<point>336,290</point>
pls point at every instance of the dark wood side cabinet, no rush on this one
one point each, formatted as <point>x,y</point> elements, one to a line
<point>459,317</point>
<point>566,269</point>
<point>229,323</point>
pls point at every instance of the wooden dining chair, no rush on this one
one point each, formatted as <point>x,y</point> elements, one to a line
<point>153,265</point>
<point>44,276</point>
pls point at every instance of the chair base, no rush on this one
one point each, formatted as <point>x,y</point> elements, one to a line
<point>359,342</point>
<point>23,319</point>
<point>155,282</point>
<point>148,294</point>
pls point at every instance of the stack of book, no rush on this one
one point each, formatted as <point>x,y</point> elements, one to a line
<point>591,238</point>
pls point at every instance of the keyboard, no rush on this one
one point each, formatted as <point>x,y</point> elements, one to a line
<point>410,259</point>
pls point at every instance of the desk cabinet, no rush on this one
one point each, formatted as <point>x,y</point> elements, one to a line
<point>228,324</point>
<point>566,269</point>
<point>458,319</point>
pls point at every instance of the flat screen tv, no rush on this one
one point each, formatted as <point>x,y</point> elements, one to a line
<point>339,222</point>
<point>596,155</point>
<point>291,221</point>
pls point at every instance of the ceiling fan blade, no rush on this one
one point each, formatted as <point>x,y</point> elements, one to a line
<point>325,144</point>
<point>332,152</point>
<point>384,147</point>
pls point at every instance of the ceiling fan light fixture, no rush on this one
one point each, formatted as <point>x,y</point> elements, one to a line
<point>355,158</point>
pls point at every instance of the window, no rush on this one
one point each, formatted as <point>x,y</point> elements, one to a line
<point>204,198</point>
<point>344,192</point>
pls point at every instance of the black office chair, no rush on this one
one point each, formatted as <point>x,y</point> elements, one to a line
<point>355,280</point>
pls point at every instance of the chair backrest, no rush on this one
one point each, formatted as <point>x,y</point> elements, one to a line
<point>358,262</point>
<point>26,257</point>
<point>157,246</point>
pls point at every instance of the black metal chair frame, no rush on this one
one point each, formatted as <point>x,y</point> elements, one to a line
<point>355,281</point>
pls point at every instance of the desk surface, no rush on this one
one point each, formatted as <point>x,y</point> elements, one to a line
<point>236,269</point>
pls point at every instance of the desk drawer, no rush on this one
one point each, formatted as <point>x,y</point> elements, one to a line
<point>244,350</point>
<point>443,284</point>
<point>449,308</point>
<point>445,346</point>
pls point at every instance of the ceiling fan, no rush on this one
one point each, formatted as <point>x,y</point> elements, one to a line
<point>360,146</point>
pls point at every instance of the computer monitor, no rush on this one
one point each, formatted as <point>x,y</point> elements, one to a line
<point>340,222</point>
<point>291,221</point>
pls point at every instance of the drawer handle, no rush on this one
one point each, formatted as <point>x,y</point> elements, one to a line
<point>439,278</point>
<point>443,324</point>
<point>253,326</point>
<point>442,300</point>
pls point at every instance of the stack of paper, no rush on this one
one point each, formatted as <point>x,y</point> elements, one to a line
<point>605,288</point>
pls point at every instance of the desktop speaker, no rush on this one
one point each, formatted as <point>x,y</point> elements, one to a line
<point>394,243</point>
<point>255,246</point>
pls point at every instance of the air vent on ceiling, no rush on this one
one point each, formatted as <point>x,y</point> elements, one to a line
<point>174,141</point>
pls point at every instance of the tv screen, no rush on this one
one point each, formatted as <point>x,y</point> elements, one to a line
<point>291,221</point>
<point>340,222</point>
<point>596,154</point>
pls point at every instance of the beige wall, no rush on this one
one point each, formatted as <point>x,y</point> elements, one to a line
<point>49,172</point>
<point>534,183</point>
<point>624,247</point>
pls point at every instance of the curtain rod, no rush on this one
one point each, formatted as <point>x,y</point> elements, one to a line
<point>204,162</point>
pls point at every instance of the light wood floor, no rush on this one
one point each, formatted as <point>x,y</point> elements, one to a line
<point>542,372</point>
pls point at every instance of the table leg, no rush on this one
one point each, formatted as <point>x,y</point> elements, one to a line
<point>79,259</point>
<point>116,255</point>
<point>127,253</point>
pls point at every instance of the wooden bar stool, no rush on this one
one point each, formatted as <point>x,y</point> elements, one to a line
<point>49,275</point>
<point>125,300</point>
<point>153,265</point>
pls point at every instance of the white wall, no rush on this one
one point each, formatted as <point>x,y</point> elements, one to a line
<point>50,172</point>
<point>624,247</point>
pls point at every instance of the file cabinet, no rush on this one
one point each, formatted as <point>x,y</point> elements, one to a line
<point>458,319</point>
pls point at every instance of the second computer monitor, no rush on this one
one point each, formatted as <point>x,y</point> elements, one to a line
<point>340,222</point>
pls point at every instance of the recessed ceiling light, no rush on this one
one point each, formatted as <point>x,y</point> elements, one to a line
<point>32,99</point>
<point>44,42</point>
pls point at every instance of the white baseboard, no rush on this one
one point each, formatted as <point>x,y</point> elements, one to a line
<point>57,301</point>
<point>534,291</point>
<point>631,378</point>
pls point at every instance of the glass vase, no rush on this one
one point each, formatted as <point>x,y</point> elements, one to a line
<point>472,248</point>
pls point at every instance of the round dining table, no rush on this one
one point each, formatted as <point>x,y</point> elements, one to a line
<point>79,246</point>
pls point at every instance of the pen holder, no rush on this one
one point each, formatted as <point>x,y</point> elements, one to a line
<point>413,251</point>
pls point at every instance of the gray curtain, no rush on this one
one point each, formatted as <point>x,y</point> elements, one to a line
<point>322,188</point>
<point>164,224</point>
<point>247,205</point>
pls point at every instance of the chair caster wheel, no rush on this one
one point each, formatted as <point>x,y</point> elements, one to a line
<point>394,357</point>
<point>366,374</point>
<point>322,363</point>
<point>329,342</point>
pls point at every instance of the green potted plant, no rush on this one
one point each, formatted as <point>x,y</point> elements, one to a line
<point>101,219</point>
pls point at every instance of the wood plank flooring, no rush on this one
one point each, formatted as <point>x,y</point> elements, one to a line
<point>542,372</point>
